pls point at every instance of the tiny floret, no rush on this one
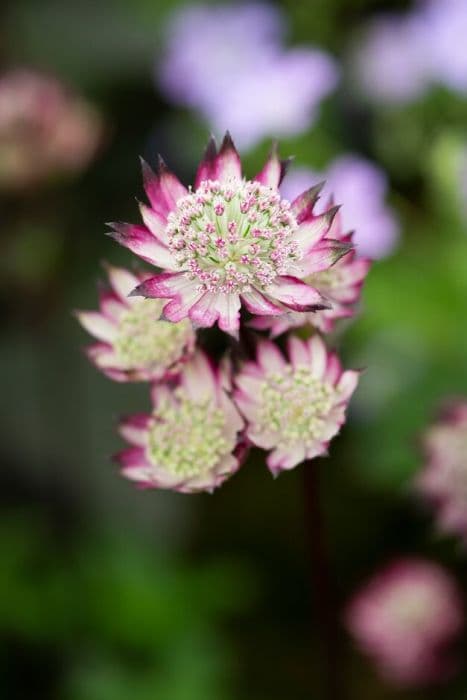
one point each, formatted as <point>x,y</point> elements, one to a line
<point>191,440</point>
<point>294,407</point>
<point>135,344</point>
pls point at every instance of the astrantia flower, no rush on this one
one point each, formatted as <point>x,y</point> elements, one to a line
<point>294,407</point>
<point>134,343</point>
<point>361,187</point>
<point>44,130</point>
<point>404,618</point>
<point>443,481</point>
<point>191,440</point>
<point>341,285</point>
<point>229,242</point>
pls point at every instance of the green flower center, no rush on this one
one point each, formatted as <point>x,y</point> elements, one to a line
<point>187,438</point>
<point>295,405</point>
<point>143,341</point>
<point>232,236</point>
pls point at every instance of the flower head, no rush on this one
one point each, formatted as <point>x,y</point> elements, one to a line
<point>404,618</point>
<point>293,406</point>
<point>361,187</point>
<point>44,130</point>
<point>229,242</point>
<point>443,480</point>
<point>340,284</point>
<point>134,343</point>
<point>229,63</point>
<point>191,440</point>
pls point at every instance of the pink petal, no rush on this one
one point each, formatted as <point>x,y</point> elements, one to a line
<point>274,170</point>
<point>311,231</point>
<point>223,308</point>
<point>110,304</point>
<point>333,369</point>
<point>207,167</point>
<point>154,222</point>
<point>348,383</point>
<point>279,459</point>
<point>134,429</point>
<point>318,356</point>
<point>163,286</point>
<point>122,281</point>
<point>97,325</point>
<point>295,294</point>
<point>269,357</point>
<point>302,206</point>
<point>140,240</point>
<point>257,303</point>
<point>298,352</point>
<point>323,255</point>
<point>227,163</point>
<point>171,187</point>
<point>199,378</point>
<point>154,192</point>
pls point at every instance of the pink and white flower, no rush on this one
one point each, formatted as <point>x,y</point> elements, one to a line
<point>134,343</point>
<point>443,480</point>
<point>340,284</point>
<point>191,441</point>
<point>230,242</point>
<point>294,406</point>
<point>405,618</point>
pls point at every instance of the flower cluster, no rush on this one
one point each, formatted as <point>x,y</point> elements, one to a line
<point>405,618</point>
<point>443,480</point>
<point>228,62</point>
<point>44,130</point>
<point>236,254</point>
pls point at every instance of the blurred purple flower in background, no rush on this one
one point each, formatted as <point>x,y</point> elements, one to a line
<point>229,63</point>
<point>361,187</point>
<point>447,30</point>
<point>405,618</point>
<point>402,55</point>
<point>390,62</point>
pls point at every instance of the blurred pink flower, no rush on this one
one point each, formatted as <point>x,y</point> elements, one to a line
<point>341,285</point>
<point>230,242</point>
<point>405,618</point>
<point>443,480</point>
<point>229,63</point>
<point>361,187</point>
<point>294,406</point>
<point>191,441</point>
<point>134,343</point>
<point>44,130</point>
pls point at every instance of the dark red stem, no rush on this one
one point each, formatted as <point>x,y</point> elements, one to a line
<point>325,618</point>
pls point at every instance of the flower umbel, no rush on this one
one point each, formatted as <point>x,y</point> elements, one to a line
<point>229,242</point>
<point>294,407</point>
<point>404,618</point>
<point>443,481</point>
<point>190,442</point>
<point>134,343</point>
